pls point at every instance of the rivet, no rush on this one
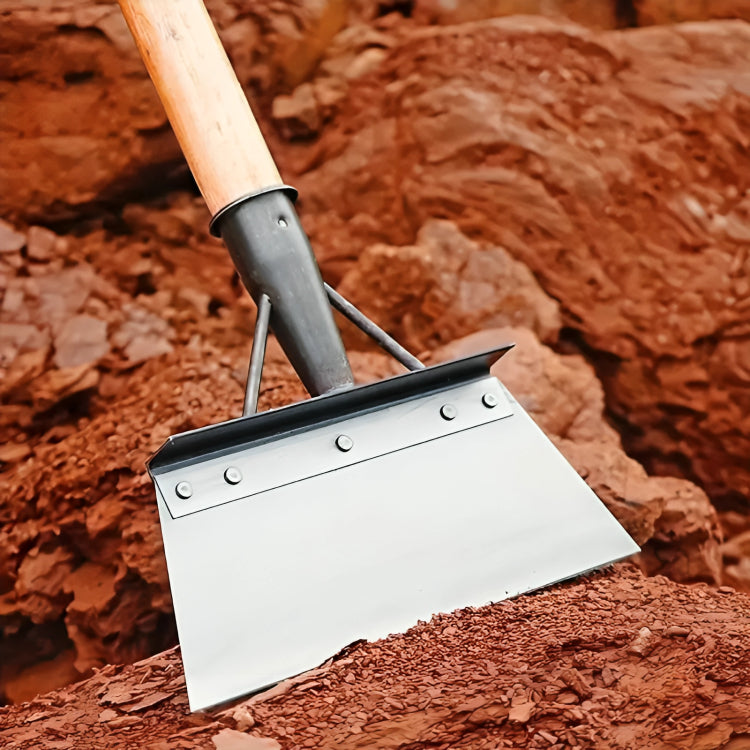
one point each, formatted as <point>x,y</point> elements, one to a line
<point>282,222</point>
<point>489,400</point>
<point>448,411</point>
<point>344,443</point>
<point>184,490</point>
<point>232,475</point>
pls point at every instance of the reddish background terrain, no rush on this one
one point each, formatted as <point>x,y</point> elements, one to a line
<point>466,178</point>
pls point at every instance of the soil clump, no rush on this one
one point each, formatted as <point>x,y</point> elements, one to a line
<point>614,660</point>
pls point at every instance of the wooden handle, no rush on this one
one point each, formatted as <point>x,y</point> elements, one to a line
<point>202,97</point>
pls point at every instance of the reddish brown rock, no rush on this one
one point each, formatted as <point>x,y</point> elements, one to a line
<point>10,240</point>
<point>674,11</point>
<point>61,327</point>
<point>614,165</point>
<point>596,13</point>
<point>78,57</point>
<point>80,340</point>
<point>614,661</point>
<point>445,286</point>
<point>671,518</point>
<point>43,245</point>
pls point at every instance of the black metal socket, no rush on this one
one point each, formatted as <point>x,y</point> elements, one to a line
<point>273,256</point>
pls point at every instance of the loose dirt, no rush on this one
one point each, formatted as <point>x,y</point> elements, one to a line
<point>614,660</point>
<point>564,188</point>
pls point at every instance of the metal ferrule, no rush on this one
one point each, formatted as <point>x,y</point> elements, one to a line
<point>273,256</point>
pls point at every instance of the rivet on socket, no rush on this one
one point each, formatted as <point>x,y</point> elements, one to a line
<point>448,412</point>
<point>232,475</point>
<point>184,490</point>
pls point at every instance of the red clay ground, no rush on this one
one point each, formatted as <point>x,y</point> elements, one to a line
<point>611,151</point>
<point>614,660</point>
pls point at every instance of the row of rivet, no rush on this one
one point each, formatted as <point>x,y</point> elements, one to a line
<point>344,443</point>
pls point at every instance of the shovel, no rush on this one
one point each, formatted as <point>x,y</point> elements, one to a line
<point>292,533</point>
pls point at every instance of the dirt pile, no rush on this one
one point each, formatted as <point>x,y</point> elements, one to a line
<point>590,190</point>
<point>83,576</point>
<point>613,661</point>
<point>445,286</point>
<point>613,165</point>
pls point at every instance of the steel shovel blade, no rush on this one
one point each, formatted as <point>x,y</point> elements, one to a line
<point>292,533</point>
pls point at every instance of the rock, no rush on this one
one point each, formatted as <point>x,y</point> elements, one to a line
<point>675,11</point>
<point>17,338</point>
<point>643,643</point>
<point>56,296</point>
<point>672,519</point>
<point>10,240</point>
<point>53,386</point>
<point>300,34</point>
<point>639,242</point>
<point>522,712</point>
<point>676,631</point>
<point>297,114</point>
<point>577,683</point>
<point>92,587</point>
<point>42,243</point>
<point>142,336</point>
<point>445,286</point>
<point>82,340</point>
<point>39,584</point>
<point>596,13</point>
<point>231,739</point>
<point>243,718</point>
<point>84,316</point>
<point>12,452</point>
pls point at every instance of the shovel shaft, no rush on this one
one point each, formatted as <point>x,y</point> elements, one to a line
<point>203,99</point>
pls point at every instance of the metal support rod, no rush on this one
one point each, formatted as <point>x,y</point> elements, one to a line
<point>257,356</point>
<point>375,332</point>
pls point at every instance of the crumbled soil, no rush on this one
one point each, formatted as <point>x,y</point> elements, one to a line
<point>612,660</point>
<point>610,192</point>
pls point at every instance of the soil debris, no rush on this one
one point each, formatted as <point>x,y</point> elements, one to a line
<point>559,186</point>
<point>556,668</point>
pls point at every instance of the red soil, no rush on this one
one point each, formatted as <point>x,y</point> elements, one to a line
<point>614,660</point>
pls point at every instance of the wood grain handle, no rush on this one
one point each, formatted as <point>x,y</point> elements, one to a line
<point>202,97</point>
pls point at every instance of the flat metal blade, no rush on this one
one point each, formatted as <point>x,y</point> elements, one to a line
<point>445,497</point>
